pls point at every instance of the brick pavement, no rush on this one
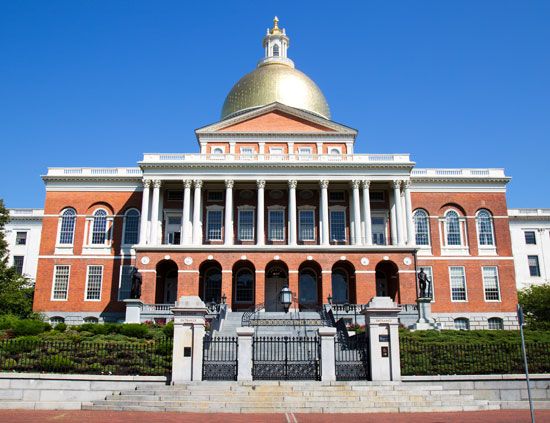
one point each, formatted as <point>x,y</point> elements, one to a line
<point>31,416</point>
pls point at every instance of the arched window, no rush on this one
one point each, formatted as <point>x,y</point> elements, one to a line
<point>217,150</point>
<point>131,227</point>
<point>462,323</point>
<point>276,50</point>
<point>485,228</point>
<point>307,287</point>
<point>340,286</point>
<point>212,285</point>
<point>452,227</point>
<point>245,286</point>
<point>55,320</point>
<point>99,227</point>
<point>495,323</point>
<point>66,231</point>
<point>422,227</point>
<point>91,319</point>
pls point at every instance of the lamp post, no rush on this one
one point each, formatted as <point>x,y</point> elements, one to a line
<point>285,298</point>
<point>329,298</point>
<point>224,298</point>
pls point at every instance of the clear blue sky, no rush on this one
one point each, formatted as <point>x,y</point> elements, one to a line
<point>457,83</point>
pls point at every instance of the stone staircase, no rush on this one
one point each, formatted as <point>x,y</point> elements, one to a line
<point>293,396</point>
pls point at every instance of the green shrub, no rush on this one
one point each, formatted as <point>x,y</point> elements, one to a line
<point>168,329</point>
<point>8,321</point>
<point>60,327</point>
<point>57,363</point>
<point>8,364</point>
<point>134,330</point>
<point>29,327</point>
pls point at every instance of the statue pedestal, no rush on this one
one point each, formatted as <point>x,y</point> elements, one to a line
<point>425,320</point>
<point>133,310</point>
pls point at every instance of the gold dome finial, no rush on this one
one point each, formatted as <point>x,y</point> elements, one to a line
<point>275,29</point>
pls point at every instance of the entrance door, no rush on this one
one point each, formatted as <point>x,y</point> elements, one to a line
<point>272,288</point>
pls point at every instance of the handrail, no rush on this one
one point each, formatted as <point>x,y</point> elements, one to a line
<point>247,315</point>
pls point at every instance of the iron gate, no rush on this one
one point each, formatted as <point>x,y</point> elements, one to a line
<point>219,359</point>
<point>286,358</point>
<point>352,358</point>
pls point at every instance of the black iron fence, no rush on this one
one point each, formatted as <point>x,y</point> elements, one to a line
<point>286,358</point>
<point>352,358</point>
<point>219,360</point>
<point>419,358</point>
<point>150,358</point>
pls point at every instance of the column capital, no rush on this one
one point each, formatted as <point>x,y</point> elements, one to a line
<point>407,184</point>
<point>396,183</point>
<point>147,183</point>
<point>293,183</point>
<point>365,183</point>
<point>355,184</point>
<point>187,183</point>
<point>323,183</point>
<point>198,183</point>
<point>260,183</point>
<point>157,183</point>
<point>229,183</point>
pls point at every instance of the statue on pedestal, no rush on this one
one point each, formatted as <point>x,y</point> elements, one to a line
<point>135,290</point>
<point>424,285</point>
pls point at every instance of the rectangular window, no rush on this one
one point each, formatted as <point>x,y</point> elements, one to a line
<point>247,152</point>
<point>174,238</point>
<point>534,269</point>
<point>60,287</point>
<point>93,284</point>
<point>276,152</point>
<point>307,225</point>
<point>338,225</point>
<point>174,195</point>
<point>458,283</point>
<point>125,284</point>
<point>530,238</point>
<point>336,196</point>
<point>215,196</point>
<point>276,225</point>
<point>214,225</point>
<point>246,225</point>
<point>18,263</point>
<point>21,238</point>
<point>490,283</point>
<point>304,153</point>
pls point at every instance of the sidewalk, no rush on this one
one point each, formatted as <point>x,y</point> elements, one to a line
<point>505,416</point>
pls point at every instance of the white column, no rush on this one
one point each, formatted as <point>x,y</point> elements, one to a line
<point>144,212</point>
<point>292,211</point>
<point>398,211</point>
<point>197,209</point>
<point>228,226</point>
<point>408,213</point>
<point>393,222</point>
<point>366,212</point>
<point>260,232</point>
<point>356,212</point>
<point>325,238</point>
<point>185,218</point>
<point>155,212</point>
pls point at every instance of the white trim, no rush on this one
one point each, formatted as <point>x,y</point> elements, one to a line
<point>87,280</point>
<point>53,282</point>
<point>58,243</point>
<point>485,250</point>
<point>465,285</point>
<point>466,258</point>
<point>429,244</point>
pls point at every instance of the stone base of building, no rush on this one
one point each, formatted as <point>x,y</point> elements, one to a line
<point>477,321</point>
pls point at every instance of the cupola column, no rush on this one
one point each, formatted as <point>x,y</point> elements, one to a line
<point>186,235</point>
<point>260,235</point>
<point>155,212</point>
<point>228,226</point>
<point>143,224</point>
<point>366,212</point>
<point>197,210</point>
<point>292,211</point>
<point>325,239</point>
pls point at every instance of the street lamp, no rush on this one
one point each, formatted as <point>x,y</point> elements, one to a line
<point>285,298</point>
<point>329,298</point>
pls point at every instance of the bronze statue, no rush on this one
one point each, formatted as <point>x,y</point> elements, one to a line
<point>135,291</point>
<point>424,284</point>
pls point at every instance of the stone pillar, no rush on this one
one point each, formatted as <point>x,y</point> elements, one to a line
<point>186,234</point>
<point>325,237</point>
<point>133,310</point>
<point>244,357</point>
<point>366,212</point>
<point>398,212</point>
<point>356,212</point>
<point>260,230</point>
<point>382,324</point>
<point>228,225</point>
<point>189,332</point>
<point>408,213</point>
<point>155,212</point>
<point>144,212</point>
<point>292,211</point>
<point>197,210</point>
<point>425,320</point>
<point>328,359</point>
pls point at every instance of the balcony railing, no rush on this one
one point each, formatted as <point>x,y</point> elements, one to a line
<point>95,171</point>
<point>458,173</point>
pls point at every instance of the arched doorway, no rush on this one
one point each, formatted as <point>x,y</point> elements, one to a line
<point>244,285</point>
<point>276,277</point>
<point>387,280</point>
<point>166,290</point>
<point>343,283</point>
<point>309,286</point>
<point>210,282</point>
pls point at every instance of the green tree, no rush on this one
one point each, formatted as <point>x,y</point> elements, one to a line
<point>15,291</point>
<point>535,301</point>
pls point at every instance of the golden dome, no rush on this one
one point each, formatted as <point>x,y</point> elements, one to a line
<point>275,82</point>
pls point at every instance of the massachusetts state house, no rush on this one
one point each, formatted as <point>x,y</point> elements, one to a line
<point>276,196</point>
